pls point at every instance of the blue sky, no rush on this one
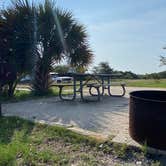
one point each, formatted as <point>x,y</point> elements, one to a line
<point>129,34</point>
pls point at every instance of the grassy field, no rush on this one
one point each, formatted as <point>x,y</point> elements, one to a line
<point>161,83</point>
<point>25,143</point>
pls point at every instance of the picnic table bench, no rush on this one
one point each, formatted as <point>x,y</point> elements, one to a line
<point>108,87</point>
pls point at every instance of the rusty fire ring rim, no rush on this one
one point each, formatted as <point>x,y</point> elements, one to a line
<point>145,99</point>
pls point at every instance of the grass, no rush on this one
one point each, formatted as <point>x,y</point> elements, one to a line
<point>25,143</point>
<point>21,95</point>
<point>151,83</point>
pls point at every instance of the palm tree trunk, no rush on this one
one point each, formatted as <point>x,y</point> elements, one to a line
<point>11,89</point>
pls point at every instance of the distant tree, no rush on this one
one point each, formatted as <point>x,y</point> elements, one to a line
<point>163,60</point>
<point>162,74</point>
<point>155,76</point>
<point>103,67</point>
<point>61,69</point>
<point>129,75</point>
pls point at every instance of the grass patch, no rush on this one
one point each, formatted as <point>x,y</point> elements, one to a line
<point>25,143</point>
<point>151,83</point>
<point>22,95</point>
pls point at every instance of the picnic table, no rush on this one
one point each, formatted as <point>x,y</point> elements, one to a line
<point>98,82</point>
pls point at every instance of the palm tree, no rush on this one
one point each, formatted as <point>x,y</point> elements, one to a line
<point>59,37</point>
<point>34,38</point>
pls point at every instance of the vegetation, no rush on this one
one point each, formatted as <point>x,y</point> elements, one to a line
<point>16,39</point>
<point>35,38</point>
<point>61,69</point>
<point>21,95</point>
<point>163,60</point>
<point>103,67</point>
<point>156,76</point>
<point>60,37</point>
<point>151,83</point>
<point>25,143</point>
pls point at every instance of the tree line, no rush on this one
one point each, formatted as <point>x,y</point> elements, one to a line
<point>104,67</point>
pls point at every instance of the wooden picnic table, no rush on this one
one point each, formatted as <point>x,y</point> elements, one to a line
<point>99,82</point>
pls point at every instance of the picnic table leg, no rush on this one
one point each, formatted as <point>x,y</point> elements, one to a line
<point>98,95</point>
<point>90,91</point>
<point>61,96</point>
<point>74,88</point>
<point>82,95</point>
<point>109,87</point>
<point>102,88</point>
<point>74,92</point>
<point>81,90</point>
<point>121,95</point>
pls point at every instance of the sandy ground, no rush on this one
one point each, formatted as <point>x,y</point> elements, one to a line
<point>108,117</point>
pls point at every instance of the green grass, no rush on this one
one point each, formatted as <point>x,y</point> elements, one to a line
<point>21,142</point>
<point>25,143</point>
<point>161,83</point>
<point>21,95</point>
<point>153,83</point>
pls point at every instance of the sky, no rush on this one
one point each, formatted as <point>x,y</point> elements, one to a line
<point>129,34</point>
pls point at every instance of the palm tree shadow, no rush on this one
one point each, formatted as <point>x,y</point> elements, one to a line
<point>9,125</point>
<point>91,116</point>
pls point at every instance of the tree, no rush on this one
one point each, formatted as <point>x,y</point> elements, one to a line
<point>163,60</point>
<point>103,67</point>
<point>34,38</point>
<point>16,43</point>
<point>61,69</point>
<point>59,37</point>
<point>129,75</point>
